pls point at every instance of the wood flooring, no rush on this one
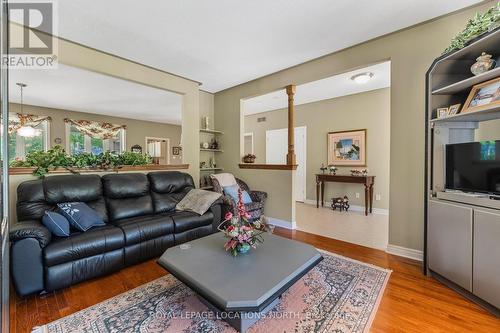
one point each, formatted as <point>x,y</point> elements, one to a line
<point>412,302</point>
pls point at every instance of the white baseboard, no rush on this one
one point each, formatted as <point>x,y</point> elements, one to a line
<point>354,208</point>
<point>405,252</point>
<point>282,223</point>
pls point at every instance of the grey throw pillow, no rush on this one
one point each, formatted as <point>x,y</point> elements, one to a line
<point>197,201</point>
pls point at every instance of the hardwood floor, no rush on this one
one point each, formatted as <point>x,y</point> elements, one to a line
<point>412,302</point>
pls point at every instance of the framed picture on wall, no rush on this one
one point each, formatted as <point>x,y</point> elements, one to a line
<point>176,150</point>
<point>347,148</point>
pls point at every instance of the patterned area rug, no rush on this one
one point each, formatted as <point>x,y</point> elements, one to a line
<point>338,295</point>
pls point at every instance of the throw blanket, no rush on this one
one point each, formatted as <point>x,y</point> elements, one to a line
<point>197,201</point>
<point>224,179</point>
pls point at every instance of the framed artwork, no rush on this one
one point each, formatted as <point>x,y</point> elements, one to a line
<point>176,150</point>
<point>347,148</point>
<point>454,109</point>
<point>442,112</point>
<point>483,96</point>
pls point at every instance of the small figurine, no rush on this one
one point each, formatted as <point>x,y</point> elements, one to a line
<point>333,169</point>
<point>323,168</point>
<point>341,203</point>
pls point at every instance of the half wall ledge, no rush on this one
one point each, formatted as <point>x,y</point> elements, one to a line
<point>268,166</point>
<point>152,167</point>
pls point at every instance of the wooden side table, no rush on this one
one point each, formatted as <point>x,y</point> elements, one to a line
<point>367,181</point>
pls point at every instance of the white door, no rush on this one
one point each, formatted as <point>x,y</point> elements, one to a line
<point>277,148</point>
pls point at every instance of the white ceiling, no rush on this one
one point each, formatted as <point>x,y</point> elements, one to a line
<point>330,87</point>
<point>75,89</point>
<point>222,43</point>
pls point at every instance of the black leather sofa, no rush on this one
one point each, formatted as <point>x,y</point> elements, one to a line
<point>141,223</point>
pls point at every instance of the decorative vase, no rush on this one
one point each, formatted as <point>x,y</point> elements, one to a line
<point>483,64</point>
<point>243,248</point>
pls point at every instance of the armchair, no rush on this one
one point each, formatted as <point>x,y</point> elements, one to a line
<point>255,208</point>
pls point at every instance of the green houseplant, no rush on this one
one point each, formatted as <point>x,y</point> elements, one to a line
<point>56,157</point>
<point>479,24</point>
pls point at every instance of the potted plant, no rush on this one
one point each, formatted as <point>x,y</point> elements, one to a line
<point>249,158</point>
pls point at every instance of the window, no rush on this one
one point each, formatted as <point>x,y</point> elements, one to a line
<point>78,142</point>
<point>20,146</point>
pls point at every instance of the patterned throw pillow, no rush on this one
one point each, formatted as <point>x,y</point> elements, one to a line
<point>80,216</point>
<point>56,223</point>
<point>232,191</point>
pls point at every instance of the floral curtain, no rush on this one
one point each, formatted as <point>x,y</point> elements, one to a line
<point>19,120</point>
<point>96,129</point>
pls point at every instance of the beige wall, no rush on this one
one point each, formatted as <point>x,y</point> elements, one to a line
<point>137,130</point>
<point>369,110</point>
<point>411,52</point>
<point>488,130</point>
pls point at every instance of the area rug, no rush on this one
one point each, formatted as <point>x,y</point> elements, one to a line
<point>338,295</point>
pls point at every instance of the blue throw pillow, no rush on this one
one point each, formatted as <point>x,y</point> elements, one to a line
<point>80,216</point>
<point>232,191</point>
<point>56,223</point>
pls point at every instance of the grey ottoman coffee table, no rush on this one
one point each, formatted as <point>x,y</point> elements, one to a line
<point>240,289</point>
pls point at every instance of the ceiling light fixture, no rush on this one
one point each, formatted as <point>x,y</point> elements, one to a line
<point>24,131</point>
<point>362,78</point>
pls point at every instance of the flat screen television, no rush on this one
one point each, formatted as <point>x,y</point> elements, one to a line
<point>473,167</point>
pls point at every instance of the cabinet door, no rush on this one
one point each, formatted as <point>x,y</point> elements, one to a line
<point>487,256</point>
<point>450,242</point>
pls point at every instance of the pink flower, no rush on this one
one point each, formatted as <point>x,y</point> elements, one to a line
<point>228,216</point>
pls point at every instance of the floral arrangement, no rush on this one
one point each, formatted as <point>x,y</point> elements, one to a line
<point>333,169</point>
<point>242,234</point>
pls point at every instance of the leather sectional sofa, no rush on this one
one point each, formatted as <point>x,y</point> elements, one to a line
<point>141,223</point>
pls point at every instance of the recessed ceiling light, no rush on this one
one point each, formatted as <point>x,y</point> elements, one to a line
<point>362,78</point>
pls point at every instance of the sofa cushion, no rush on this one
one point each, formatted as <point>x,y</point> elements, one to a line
<point>170,181</point>
<point>72,188</point>
<point>142,228</point>
<point>184,221</point>
<point>127,195</point>
<point>80,216</point>
<point>83,244</point>
<point>125,185</point>
<point>168,188</point>
<point>232,191</point>
<point>56,223</point>
<point>31,204</point>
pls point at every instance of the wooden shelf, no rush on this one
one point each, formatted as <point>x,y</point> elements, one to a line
<point>211,169</point>
<point>212,150</point>
<point>476,116</point>
<point>467,83</point>
<point>267,166</point>
<point>211,131</point>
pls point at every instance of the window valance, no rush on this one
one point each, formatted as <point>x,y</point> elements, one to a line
<point>18,120</point>
<point>94,129</point>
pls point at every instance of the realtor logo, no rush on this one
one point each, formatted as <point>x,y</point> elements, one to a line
<point>31,37</point>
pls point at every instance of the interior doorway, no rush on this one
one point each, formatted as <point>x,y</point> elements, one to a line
<point>158,149</point>
<point>277,148</point>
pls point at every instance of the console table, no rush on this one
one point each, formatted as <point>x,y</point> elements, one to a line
<point>368,181</point>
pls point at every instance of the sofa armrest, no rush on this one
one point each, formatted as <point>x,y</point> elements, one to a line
<point>216,209</point>
<point>30,229</point>
<point>28,238</point>
<point>258,196</point>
